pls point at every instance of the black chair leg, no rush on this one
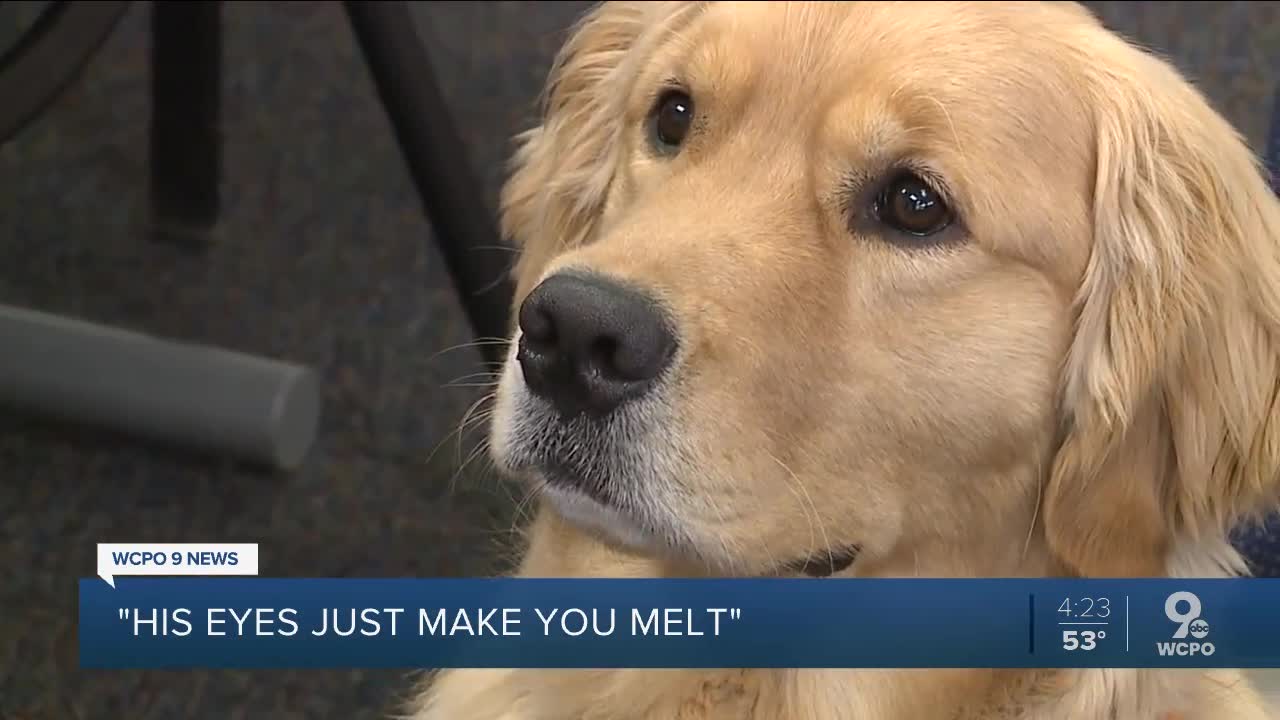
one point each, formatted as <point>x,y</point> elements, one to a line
<point>437,161</point>
<point>186,147</point>
<point>186,142</point>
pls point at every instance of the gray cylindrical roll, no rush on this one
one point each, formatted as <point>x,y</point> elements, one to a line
<point>252,408</point>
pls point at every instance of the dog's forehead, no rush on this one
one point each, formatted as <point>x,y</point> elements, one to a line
<point>819,48</point>
<point>933,64</point>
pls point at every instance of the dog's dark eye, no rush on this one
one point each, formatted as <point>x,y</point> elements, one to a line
<point>910,205</point>
<point>672,116</point>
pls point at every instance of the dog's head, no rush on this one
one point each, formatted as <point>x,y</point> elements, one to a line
<point>803,280</point>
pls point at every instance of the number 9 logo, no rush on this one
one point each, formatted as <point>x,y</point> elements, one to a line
<point>1183,619</point>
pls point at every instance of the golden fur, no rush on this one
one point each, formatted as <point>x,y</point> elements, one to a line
<point>1082,381</point>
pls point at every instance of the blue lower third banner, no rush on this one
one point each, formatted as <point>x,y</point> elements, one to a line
<point>828,623</point>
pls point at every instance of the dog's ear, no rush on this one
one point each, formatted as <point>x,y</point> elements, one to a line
<point>563,168</point>
<point>1171,413</point>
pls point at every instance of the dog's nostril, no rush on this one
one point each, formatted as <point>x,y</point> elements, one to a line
<point>637,360</point>
<point>537,325</point>
<point>605,357</point>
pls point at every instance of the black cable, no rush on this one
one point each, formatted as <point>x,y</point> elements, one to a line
<point>49,56</point>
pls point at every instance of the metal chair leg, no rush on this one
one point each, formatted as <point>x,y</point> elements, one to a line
<point>435,154</point>
<point>186,138</point>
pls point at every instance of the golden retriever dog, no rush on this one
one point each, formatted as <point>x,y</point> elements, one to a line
<point>881,289</point>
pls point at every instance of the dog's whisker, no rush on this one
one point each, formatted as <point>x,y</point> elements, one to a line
<point>729,549</point>
<point>1040,480</point>
<point>815,516</point>
<point>477,414</point>
<point>520,514</point>
<point>950,122</point>
<point>761,507</point>
<point>469,345</point>
<point>462,425</point>
<point>480,450</point>
<point>491,374</point>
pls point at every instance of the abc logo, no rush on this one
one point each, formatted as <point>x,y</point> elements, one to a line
<point>1199,628</point>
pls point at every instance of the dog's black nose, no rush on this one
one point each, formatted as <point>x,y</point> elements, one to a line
<point>589,343</point>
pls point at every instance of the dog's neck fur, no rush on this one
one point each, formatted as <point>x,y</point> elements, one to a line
<point>557,549</point>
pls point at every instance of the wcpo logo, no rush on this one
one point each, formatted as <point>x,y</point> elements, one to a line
<point>1183,609</point>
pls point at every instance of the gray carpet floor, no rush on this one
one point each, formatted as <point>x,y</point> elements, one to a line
<point>323,258</point>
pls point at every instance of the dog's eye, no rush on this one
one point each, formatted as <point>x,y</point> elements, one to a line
<point>672,116</point>
<point>910,205</point>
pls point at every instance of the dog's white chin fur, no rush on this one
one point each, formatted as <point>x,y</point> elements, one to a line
<point>607,523</point>
<point>596,518</point>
